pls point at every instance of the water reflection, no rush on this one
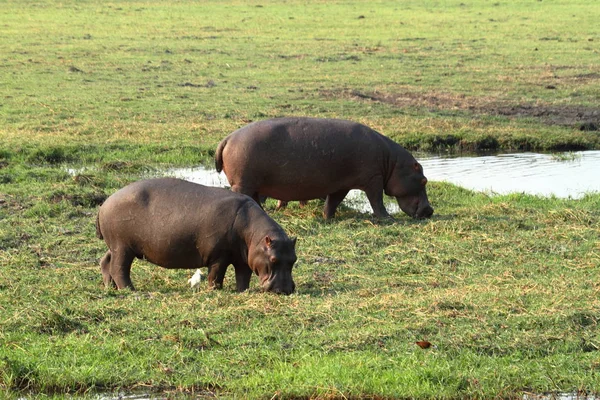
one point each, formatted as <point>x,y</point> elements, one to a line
<point>562,175</point>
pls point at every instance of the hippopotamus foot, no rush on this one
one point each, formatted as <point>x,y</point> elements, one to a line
<point>243,273</point>
<point>332,201</point>
<point>379,209</point>
<point>281,205</point>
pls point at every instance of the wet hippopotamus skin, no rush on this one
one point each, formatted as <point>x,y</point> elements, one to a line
<point>308,158</point>
<point>178,224</point>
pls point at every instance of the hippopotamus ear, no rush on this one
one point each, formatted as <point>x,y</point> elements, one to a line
<point>268,241</point>
<point>294,241</point>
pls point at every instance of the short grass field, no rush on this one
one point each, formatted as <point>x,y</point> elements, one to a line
<point>95,95</point>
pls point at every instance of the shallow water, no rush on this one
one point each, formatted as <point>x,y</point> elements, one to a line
<point>561,175</point>
<point>559,396</point>
<point>355,199</point>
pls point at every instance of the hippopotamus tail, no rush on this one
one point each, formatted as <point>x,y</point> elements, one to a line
<point>98,231</point>
<point>219,155</point>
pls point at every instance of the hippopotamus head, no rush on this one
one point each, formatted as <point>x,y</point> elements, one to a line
<point>407,184</point>
<point>272,260</point>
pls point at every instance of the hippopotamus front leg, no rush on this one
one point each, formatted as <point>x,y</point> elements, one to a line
<point>243,273</point>
<point>332,201</point>
<point>376,201</point>
<point>375,196</point>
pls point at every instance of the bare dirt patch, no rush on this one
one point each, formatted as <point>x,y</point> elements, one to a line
<point>579,117</point>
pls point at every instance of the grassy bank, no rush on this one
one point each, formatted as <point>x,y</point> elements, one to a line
<point>506,288</point>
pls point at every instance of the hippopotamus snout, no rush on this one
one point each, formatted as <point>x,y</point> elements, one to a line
<point>416,206</point>
<point>279,284</point>
<point>425,211</point>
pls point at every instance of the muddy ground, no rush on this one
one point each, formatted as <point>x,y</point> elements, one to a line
<point>578,117</point>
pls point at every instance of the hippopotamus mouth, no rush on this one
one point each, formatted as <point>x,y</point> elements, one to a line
<point>416,207</point>
<point>424,212</point>
<point>277,284</point>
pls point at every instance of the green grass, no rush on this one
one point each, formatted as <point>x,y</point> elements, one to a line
<point>505,287</point>
<point>185,74</point>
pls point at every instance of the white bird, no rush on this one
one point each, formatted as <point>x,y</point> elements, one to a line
<point>194,281</point>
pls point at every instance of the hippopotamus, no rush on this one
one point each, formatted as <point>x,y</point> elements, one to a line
<point>179,224</point>
<point>307,158</point>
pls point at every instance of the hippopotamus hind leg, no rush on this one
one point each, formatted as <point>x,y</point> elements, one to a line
<point>216,275</point>
<point>105,268</point>
<point>281,205</point>
<point>120,268</point>
<point>247,191</point>
<point>332,201</point>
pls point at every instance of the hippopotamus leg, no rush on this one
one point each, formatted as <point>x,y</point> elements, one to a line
<point>105,268</point>
<point>243,273</point>
<point>281,205</point>
<point>216,274</point>
<point>248,191</point>
<point>120,268</point>
<point>375,196</point>
<point>332,201</point>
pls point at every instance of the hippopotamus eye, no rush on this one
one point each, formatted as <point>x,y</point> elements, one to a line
<point>273,260</point>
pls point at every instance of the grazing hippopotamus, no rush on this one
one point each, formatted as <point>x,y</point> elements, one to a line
<point>178,224</point>
<point>307,158</point>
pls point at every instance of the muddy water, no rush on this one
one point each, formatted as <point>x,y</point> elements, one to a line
<point>562,175</point>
